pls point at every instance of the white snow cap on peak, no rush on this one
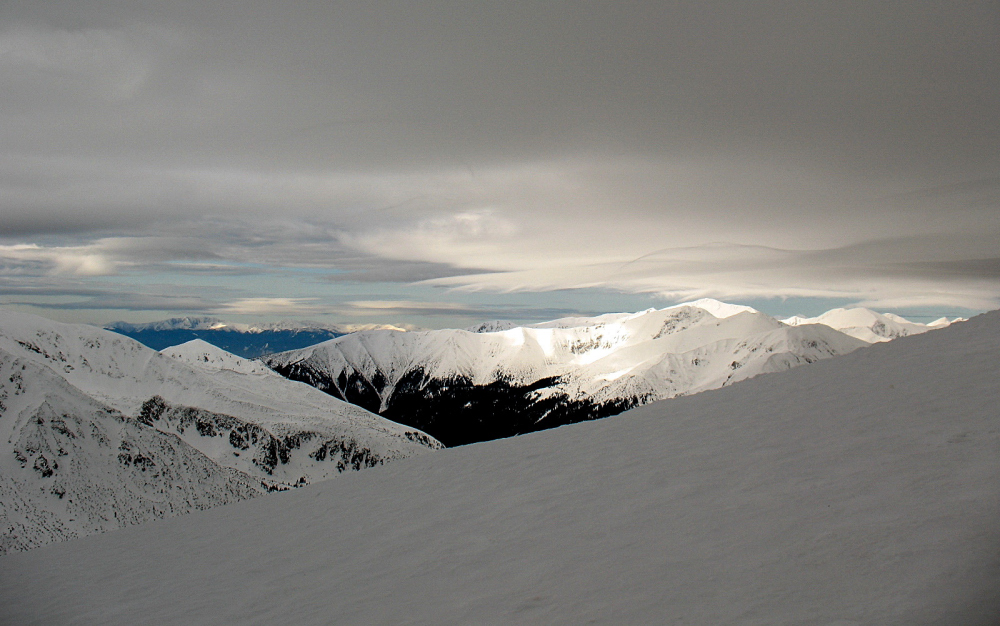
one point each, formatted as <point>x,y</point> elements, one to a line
<point>717,308</point>
<point>944,321</point>
<point>201,353</point>
<point>868,325</point>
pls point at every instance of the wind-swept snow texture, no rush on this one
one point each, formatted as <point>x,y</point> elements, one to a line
<point>859,490</point>
<point>98,431</point>
<point>497,381</point>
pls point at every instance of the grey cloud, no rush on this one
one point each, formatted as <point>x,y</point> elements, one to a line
<point>12,286</point>
<point>478,312</point>
<point>28,224</point>
<point>407,84</point>
<point>375,270</point>
<point>938,270</point>
<point>968,269</point>
<point>549,141</point>
<point>126,302</point>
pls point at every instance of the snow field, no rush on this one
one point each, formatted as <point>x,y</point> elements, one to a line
<point>860,490</point>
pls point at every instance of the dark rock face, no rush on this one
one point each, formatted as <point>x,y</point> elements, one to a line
<point>267,450</point>
<point>455,411</point>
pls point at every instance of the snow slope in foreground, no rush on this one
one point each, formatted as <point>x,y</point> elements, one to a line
<point>860,490</point>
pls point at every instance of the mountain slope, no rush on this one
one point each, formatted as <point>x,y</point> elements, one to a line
<point>859,490</point>
<point>82,410</point>
<point>463,386</point>
<point>72,466</point>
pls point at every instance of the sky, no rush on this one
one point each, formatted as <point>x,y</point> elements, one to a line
<point>435,163</point>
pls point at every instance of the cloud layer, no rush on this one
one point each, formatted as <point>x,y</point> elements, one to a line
<point>834,150</point>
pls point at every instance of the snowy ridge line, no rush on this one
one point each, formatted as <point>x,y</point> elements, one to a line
<point>214,323</point>
<point>868,325</point>
<point>245,340</point>
<point>497,380</point>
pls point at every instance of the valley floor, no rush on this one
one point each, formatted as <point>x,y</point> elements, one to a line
<point>863,489</point>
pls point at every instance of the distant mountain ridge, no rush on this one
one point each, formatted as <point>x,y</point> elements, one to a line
<point>246,340</point>
<point>867,325</point>
<point>214,323</point>
<point>497,380</point>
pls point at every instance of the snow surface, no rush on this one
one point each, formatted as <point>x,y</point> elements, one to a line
<point>718,308</point>
<point>860,490</point>
<point>200,353</point>
<point>98,431</point>
<point>867,325</point>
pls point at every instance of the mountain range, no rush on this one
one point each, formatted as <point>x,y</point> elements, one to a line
<point>98,431</point>
<point>858,490</point>
<point>498,380</point>
<point>869,326</point>
<point>245,340</point>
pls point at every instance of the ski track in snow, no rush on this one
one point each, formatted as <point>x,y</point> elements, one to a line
<point>860,490</point>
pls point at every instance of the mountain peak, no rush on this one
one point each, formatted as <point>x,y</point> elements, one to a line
<point>867,325</point>
<point>200,353</point>
<point>492,326</point>
<point>717,308</point>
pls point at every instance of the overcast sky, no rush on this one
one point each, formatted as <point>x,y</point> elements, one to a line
<point>437,163</point>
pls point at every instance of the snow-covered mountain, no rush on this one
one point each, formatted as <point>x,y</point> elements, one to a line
<point>245,340</point>
<point>200,353</point>
<point>858,490</point>
<point>464,386</point>
<point>867,325</point>
<point>214,323</point>
<point>492,326</point>
<point>98,431</point>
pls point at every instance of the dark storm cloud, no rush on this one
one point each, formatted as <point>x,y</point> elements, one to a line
<point>543,141</point>
<point>889,86</point>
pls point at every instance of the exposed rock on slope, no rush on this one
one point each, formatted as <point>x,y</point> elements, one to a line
<point>463,386</point>
<point>98,431</point>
